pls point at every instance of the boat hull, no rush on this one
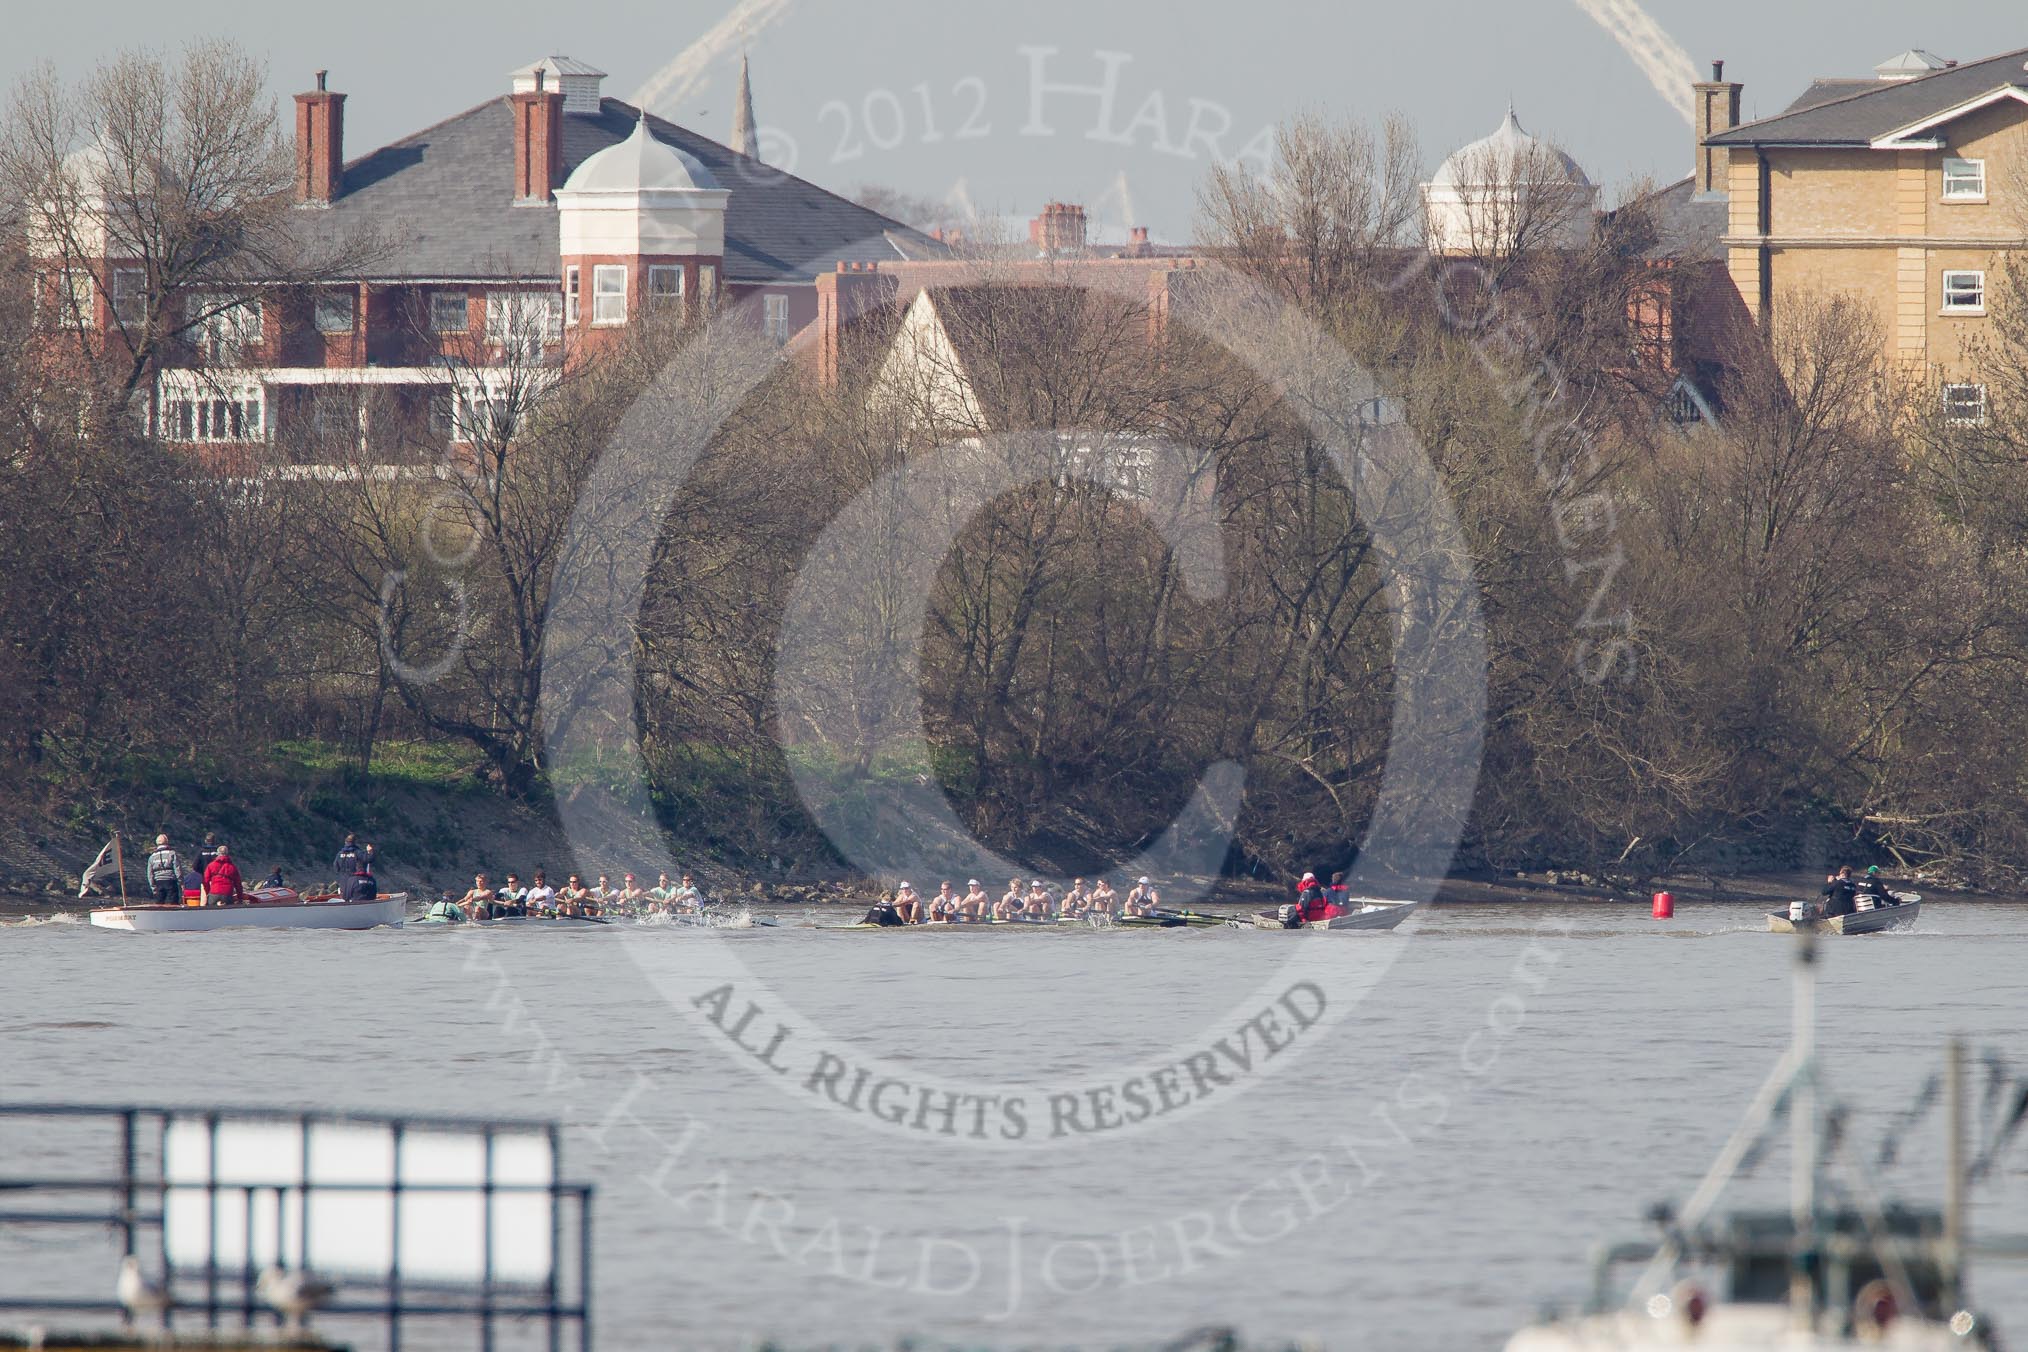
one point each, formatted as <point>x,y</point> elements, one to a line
<point>1859,922</point>
<point>1371,916</point>
<point>345,915</point>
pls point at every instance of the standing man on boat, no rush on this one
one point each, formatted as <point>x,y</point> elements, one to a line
<point>222,884</point>
<point>165,874</point>
<point>347,862</point>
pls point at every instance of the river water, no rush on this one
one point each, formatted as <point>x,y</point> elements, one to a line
<point>1394,1141</point>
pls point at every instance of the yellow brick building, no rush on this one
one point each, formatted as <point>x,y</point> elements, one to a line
<point>1908,190</point>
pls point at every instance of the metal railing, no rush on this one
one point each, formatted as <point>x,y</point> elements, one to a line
<point>211,1268</point>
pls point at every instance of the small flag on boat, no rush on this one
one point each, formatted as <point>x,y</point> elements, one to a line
<point>107,865</point>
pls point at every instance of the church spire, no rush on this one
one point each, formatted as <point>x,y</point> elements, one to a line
<point>744,139</point>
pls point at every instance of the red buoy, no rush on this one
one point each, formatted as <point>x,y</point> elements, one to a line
<point>1665,906</point>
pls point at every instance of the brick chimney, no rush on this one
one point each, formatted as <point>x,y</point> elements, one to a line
<point>320,145</point>
<point>1717,110</point>
<point>843,296</point>
<point>538,143</point>
<point>1059,229</point>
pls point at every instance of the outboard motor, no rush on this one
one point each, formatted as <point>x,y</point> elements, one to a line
<point>1799,911</point>
<point>1291,915</point>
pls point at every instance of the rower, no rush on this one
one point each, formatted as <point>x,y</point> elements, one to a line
<point>1076,900</point>
<point>540,899</point>
<point>1036,905</point>
<point>1009,905</point>
<point>943,907</point>
<point>574,898</point>
<point>1142,900</point>
<point>1102,900</point>
<point>907,904</point>
<point>477,904</point>
<point>603,894</point>
<point>631,898</point>
<point>687,897</point>
<point>511,898</point>
<point>661,894</point>
<point>976,903</point>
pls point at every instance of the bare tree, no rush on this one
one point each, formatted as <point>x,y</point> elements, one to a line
<point>164,186</point>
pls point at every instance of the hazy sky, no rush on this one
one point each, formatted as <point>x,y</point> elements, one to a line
<point>929,95</point>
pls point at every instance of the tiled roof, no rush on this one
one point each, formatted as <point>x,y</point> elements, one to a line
<point>443,202</point>
<point>1687,227</point>
<point>1873,108</point>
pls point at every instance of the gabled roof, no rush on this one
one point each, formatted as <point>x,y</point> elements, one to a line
<point>443,198</point>
<point>1877,108</point>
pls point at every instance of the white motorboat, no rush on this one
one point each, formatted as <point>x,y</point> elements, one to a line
<point>1368,913</point>
<point>294,912</point>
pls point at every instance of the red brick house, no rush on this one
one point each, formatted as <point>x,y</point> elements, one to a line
<point>507,235</point>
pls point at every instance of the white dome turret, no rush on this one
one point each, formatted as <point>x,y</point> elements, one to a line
<point>642,196</point>
<point>1501,186</point>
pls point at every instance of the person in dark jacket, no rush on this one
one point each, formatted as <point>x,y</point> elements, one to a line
<point>347,862</point>
<point>1840,893</point>
<point>361,886</point>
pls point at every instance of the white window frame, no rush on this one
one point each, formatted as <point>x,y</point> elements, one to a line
<point>775,316</point>
<point>440,302</point>
<point>334,297</point>
<point>659,273</point>
<point>1964,291</point>
<point>522,324</point>
<point>206,413</point>
<point>573,310</point>
<point>1964,180</point>
<point>609,302</point>
<point>130,295</point>
<point>223,332</point>
<point>1963,411</point>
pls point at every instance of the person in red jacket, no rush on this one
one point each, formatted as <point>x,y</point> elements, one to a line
<point>1312,902</point>
<point>222,883</point>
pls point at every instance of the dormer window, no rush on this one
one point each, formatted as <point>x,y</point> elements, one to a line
<point>1964,180</point>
